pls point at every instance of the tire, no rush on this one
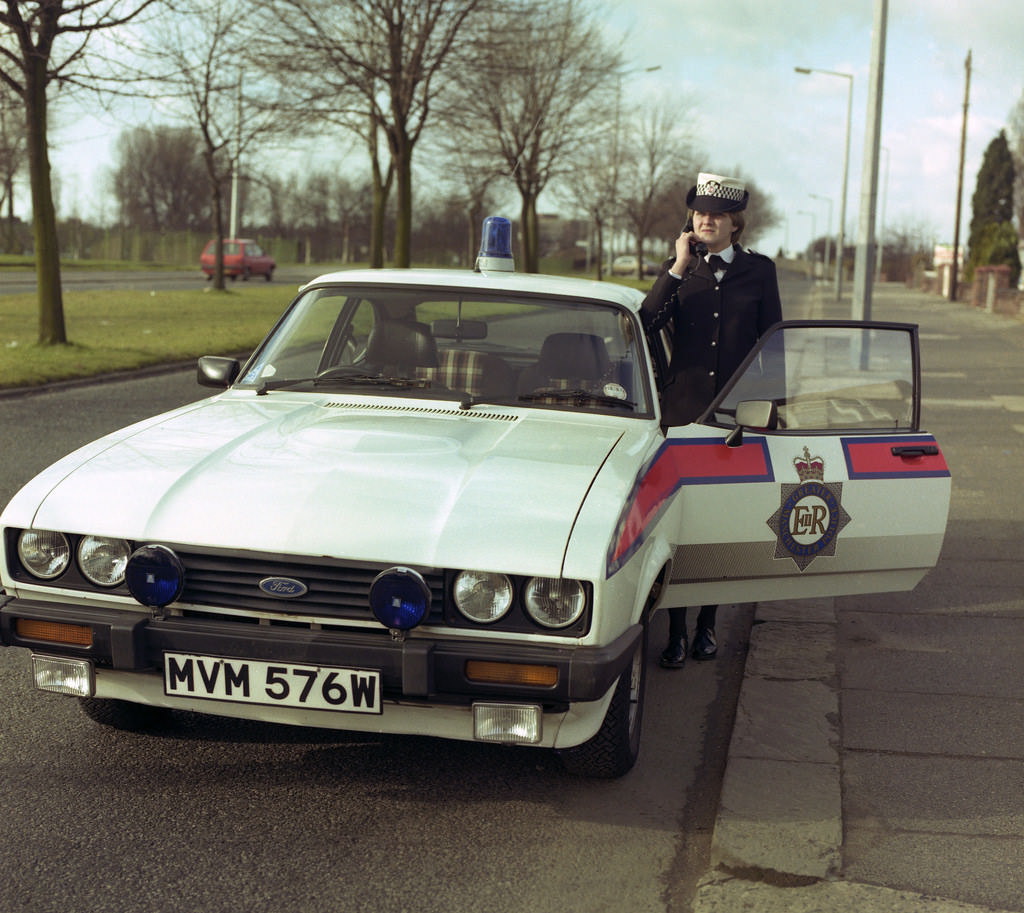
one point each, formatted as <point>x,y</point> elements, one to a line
<point>124,715</point>
<point>614,748</point>
<point>268,275</point>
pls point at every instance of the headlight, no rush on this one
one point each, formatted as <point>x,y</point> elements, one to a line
<point>103,560</point>
<point>43,553</point>
<point>482,596</point>
<point>554,602</point>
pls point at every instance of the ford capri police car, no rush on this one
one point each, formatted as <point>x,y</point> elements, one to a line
<point>444,503</point>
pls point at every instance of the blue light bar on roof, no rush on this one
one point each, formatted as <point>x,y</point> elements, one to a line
<point>495,245</point>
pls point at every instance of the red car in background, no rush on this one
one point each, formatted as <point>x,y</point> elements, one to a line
<point>242,257</point>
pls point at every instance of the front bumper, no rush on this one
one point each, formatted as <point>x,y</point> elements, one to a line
<point>423,666</point>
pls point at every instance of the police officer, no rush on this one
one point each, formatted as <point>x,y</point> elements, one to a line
<point>720,300</point>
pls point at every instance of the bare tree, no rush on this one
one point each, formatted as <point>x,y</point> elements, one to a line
<point>199,60</point>
<point>12,158</point>
<point>535,92</point>
<point>657,153</point>
<point>373,66</point>
<point>591,187</point>
<point>159,179</point>
<point>471,181</point>
<point>761,216</point>
<point>42,44</point>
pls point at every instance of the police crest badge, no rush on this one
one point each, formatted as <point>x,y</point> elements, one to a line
<point>810,516</point>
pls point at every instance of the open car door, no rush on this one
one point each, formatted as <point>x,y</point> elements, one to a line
<point>809,474</point>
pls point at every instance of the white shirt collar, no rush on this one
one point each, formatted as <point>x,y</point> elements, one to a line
<point>727,255</point>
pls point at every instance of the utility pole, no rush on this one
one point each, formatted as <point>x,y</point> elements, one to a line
<point>863,269</point>
<point>953,278</point>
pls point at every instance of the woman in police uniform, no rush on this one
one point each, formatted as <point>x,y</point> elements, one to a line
<point>720,299</point>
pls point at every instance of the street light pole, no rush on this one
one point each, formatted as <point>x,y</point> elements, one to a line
<point>863,269</point>
<point>881,219</point>
<point>841,240</point>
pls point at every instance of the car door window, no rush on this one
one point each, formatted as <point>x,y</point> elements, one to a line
<point>830,377</point>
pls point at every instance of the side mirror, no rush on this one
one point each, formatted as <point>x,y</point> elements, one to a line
<point>216,371</point>
<point>754,415</point>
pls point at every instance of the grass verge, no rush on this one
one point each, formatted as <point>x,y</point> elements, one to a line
<point>123,330</point>
<point>127,329</point>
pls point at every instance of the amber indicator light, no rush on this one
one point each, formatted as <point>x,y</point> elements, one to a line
<point>511,673</point>
<point>54,632</point>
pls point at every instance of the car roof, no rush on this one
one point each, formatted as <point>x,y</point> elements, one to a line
<point>490,280</point>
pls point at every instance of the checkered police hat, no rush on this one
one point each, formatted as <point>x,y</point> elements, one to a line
<point>715,193</point>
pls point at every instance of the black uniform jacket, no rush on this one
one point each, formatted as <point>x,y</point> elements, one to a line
<point>714,326</point>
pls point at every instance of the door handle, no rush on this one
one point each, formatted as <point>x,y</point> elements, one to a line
<point>915,450</point>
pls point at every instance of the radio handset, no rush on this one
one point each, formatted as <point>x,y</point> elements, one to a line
<point>697,248</point>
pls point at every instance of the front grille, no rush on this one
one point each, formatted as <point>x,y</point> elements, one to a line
<point>336,590</point>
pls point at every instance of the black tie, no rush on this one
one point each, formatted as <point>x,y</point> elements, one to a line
<point>716,263</point>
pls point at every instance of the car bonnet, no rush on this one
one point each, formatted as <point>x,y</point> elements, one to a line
<point>390,482</point>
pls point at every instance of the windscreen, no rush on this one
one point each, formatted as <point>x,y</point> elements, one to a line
<point>518,349</point>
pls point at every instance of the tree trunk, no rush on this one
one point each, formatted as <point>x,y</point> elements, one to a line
<point>528,241</point>
<point>377,222</point>
<point>218,230</point>
<point>381,186</point>
<point>402,158</point>
<point>11,245</point>
<point>44,216</point>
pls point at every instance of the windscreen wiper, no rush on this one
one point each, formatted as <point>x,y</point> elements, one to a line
<point>345,374</point>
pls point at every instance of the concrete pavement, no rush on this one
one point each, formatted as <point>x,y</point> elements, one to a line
<point>877,759</point>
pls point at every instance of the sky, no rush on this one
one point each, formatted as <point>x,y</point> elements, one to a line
<point>735,61</point>
<point>732,62</point>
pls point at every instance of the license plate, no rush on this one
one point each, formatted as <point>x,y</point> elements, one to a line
<point>251,681</point>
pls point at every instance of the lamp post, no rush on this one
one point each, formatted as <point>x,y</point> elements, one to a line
<point>881,219</point>
<point>841,240</point>
<point>828,234</point>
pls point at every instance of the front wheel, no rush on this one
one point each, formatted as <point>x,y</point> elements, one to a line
<point>614,748</point>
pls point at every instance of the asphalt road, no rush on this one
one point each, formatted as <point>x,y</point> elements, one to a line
<point>221,815</point>
<point>24,280</point>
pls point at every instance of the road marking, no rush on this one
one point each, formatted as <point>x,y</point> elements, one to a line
<point>966,403</point>
<point>1009,403</point>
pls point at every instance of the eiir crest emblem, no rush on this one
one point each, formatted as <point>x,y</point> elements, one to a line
<point>810,515</point>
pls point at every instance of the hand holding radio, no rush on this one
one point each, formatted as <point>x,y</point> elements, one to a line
<point>688,246</point>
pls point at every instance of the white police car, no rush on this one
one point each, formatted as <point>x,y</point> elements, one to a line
<point>442,503</point>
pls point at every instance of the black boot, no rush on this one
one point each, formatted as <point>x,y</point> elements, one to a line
<point>674,655</point>
<point>704,644</point>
